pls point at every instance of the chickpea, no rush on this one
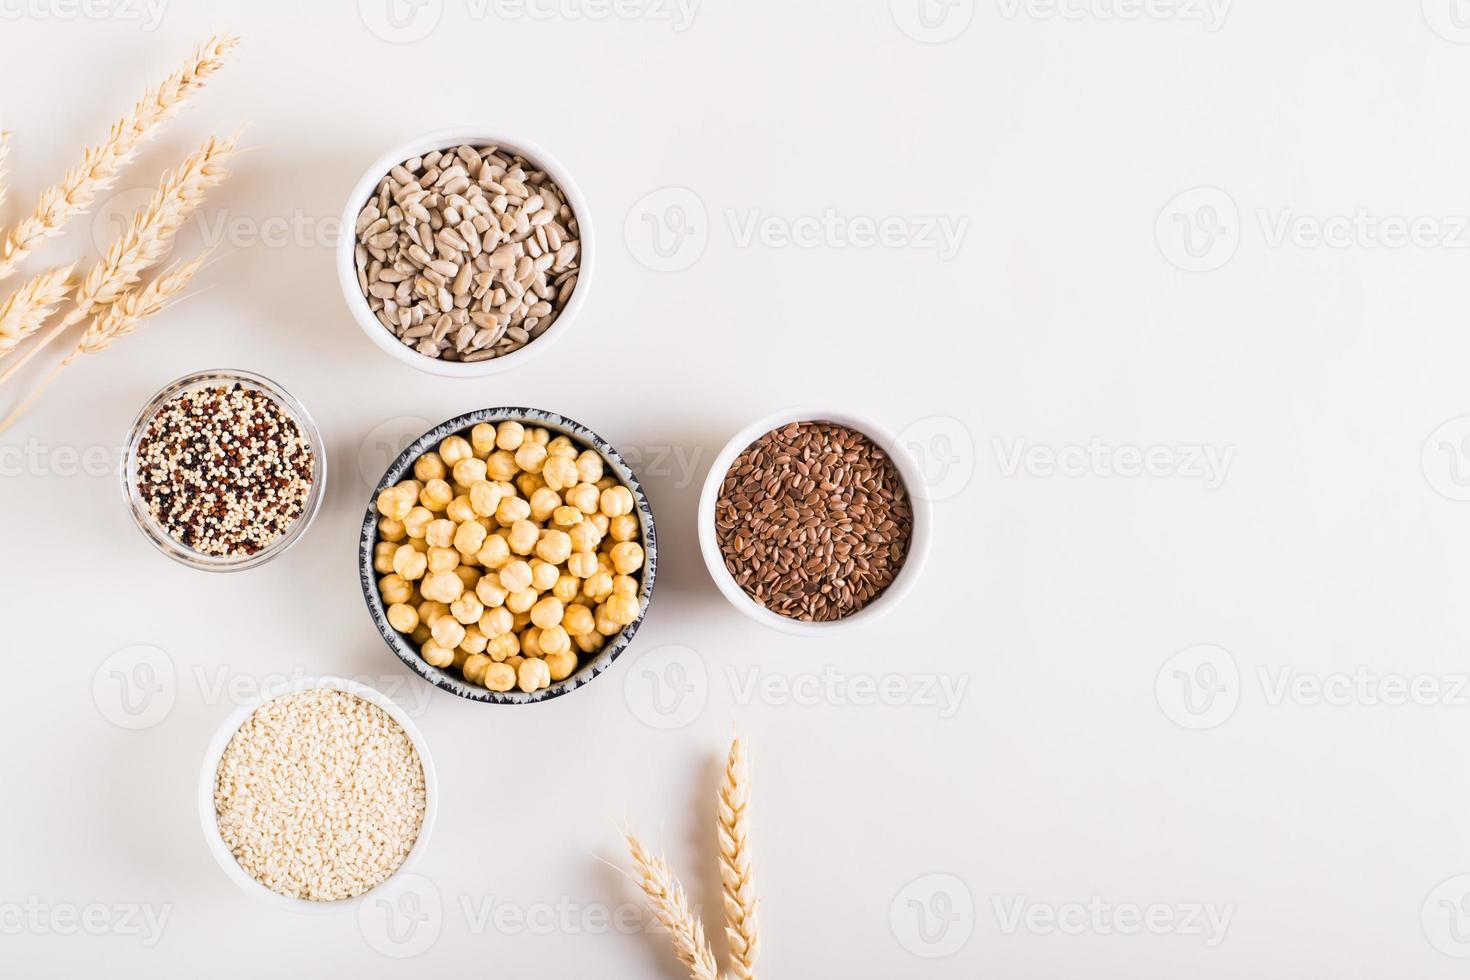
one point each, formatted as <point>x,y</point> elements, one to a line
<point>584,497</point>
<point>436,495</point>
<point>559,472</point>
<point>469,576</point>
<point>459,510</point>
<point>538,435</point>
<point>589,642</point>
<point>443,559</point>
<point>489,592</point>
<point>501,466</point>
<point>391,530</point>
<point>528,483</point>
<point>496,622</point>
<point>554,547</point>
<point>531,642</point>
<point>482,439</point>
<point>522,601</point>
<point>561,446</point>
<point>411,487</point>
<point>509,435</point>
<point>520,621</point>
<point>578,621</point>
<point>566,588</point>
<point>621,609</point>
<point>523,535</point>
<point>598,587</point>
<point>605,624</point>
<point>547,612</point>
<point>555,639</point>
<point>560,665</point>
<point>459,658</point>
<point>484,498</point>
<point>624,527</point>
<point>440,533</point>
<point>421,635</point>
<point>606,483</point>
<point>544,575</point>
<point>504,646</point>
<point>409,564</point>
<point>589,466</point>
<point>474,668</point>
<point>470,537</point>
<point>418,544</point>
<point>514,661</point>
<point>448,632</point>
<point>531,457</point>
<point>383,557</point>
<point>544,503</point>
<point>627,557</point>
<point>403,618</point>
<point>581,564</point>
<point>442,587</point>
<point>494,553</point>
<point>585,536</point>
<point>499,677</point>
<point>533,675</point>
<point>394,588</point>
<point>416,524</point>
<point>454,449</point>
<point>512,509</point>
<point>436,655</point>
<point>625,585</point>
<point>600,521</point>
<point>468,472</point>
<point>566,517</point>
<point>474,641</point>
<point>395,503</point>
<point>615,501</point>
<point>429,466</point>
<point>430,612</point>
<point>515,576</point>
<point>467,609</point>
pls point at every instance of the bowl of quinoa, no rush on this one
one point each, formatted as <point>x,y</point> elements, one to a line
<point>224,471</point>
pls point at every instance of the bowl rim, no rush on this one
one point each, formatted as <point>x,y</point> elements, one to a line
<point>209,822</point>
<point>919,506</point>
<point>586,672</point>
<point>441,139</point>
<point>177,550</point>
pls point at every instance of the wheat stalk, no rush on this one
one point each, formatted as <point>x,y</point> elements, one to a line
<point>26,309</point>
<point>148,237</point>
<point>101,164</point>
<point>666,897</point>
<point>737,886</point>
<point>4,152</point>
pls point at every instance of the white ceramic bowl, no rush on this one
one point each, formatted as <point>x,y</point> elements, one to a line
<point>908,470</point>
<point>439,140</point>
<point>216,751</point>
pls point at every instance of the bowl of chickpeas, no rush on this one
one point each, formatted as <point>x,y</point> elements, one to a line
<point>508,555</point>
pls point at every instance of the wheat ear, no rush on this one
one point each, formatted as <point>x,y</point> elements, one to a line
<point>148,237</point>
<point>26,309</point>
<point>4,152</point>
<point>666,897</point>
<point>737,886</point>
<point>101,164</point>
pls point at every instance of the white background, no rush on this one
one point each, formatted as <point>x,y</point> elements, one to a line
<point>1086,301</point>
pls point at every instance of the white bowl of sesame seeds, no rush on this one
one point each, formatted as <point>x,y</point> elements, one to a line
<point>329,752</point>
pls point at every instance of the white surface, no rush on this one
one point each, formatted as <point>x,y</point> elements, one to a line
<point>1057,601</point>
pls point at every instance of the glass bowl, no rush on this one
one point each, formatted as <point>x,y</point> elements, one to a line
<point>176,549</point>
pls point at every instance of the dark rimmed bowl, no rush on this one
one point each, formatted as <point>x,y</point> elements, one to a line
<point>449,680</point>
